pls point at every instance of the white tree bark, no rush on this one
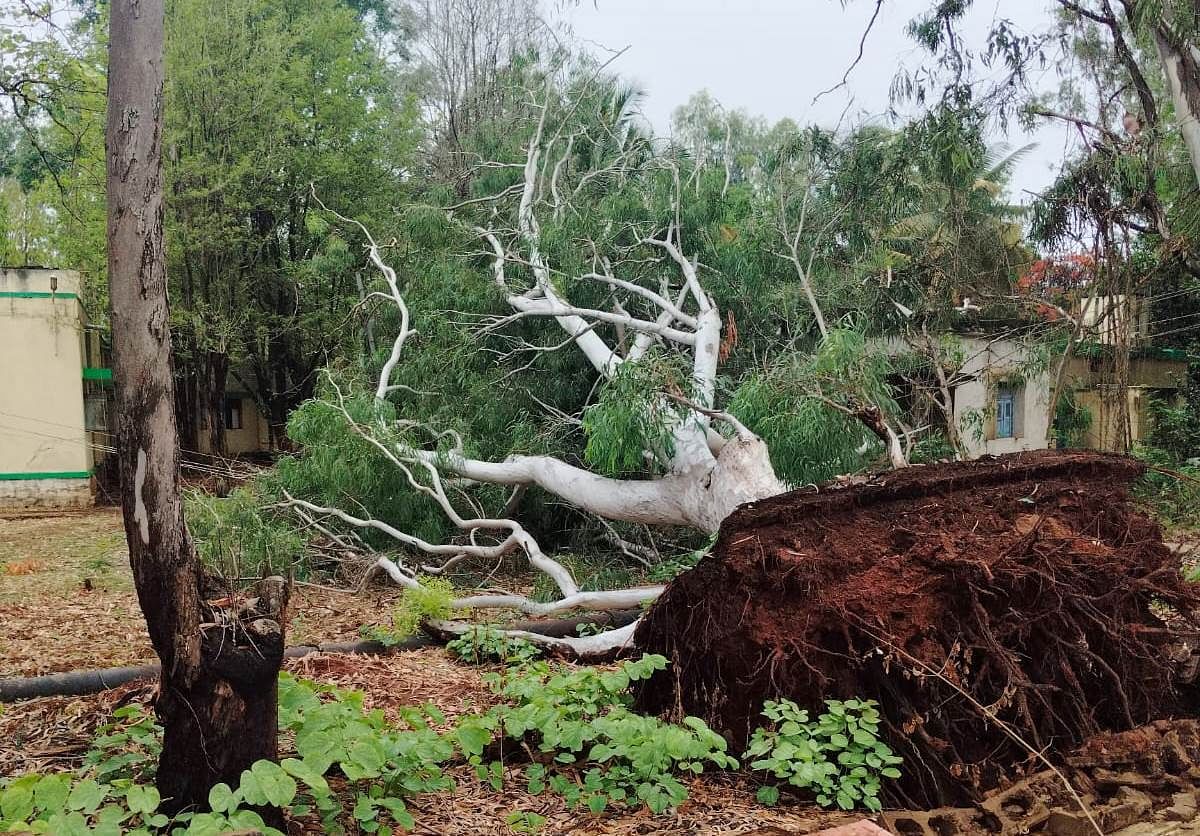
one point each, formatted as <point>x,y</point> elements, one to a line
<point>1180,63</point>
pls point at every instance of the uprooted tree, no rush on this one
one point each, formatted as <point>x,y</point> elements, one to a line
<point>662,292</point>
<point>703,474</point>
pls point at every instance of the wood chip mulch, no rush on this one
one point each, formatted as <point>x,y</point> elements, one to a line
<point>411,678</point>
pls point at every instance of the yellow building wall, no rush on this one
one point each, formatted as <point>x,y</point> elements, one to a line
<point>252,437</point>
<point>45,457</point>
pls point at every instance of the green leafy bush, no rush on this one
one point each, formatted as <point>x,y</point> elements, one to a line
<point>431,601</point>
<point>333,733</point>
<point>64,806</point>
<point>838,757</point>
<point>126,748</point>
<point>1174,500</point>
<point>236,537</point>
<point>1176,425</point>
<point>481,645</point>
<point>581,718</point>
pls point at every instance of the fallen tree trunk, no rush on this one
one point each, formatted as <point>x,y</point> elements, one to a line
<point>1020,597</point>
<point>78,683</point>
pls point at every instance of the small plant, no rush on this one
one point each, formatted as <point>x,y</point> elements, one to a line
<point>581,718</point>
<point>60,805</point>
<point>126,748</point>
<point>525,822</point>
<point>431,600</point>
<point>838,757</point>
<point>482,644</point>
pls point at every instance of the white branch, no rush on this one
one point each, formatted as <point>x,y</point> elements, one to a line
<point>582,646</point>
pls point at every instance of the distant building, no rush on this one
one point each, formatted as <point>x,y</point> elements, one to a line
<point>48,361</point>
<point>997,408</point>
<point>1001,391</point>
<point>56,395</point>
<point>1002,407</point>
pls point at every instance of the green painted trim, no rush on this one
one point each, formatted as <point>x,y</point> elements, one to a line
<point>97,374</point>
<point>64,474</point>
<point>35,294</point>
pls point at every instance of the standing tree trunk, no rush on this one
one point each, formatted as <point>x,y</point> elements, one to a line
<point>216,373</point>
<point>1181,64</point>
<point>217,696</point>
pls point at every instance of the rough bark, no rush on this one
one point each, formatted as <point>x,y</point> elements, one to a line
<point>217,693</point>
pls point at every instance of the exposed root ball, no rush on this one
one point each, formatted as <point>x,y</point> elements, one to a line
<point>1029,581</point>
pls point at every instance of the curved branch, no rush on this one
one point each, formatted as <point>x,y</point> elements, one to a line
<point>651,501</point>
<point>582,647</point>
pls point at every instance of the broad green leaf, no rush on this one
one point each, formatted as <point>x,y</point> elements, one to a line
<point>142,800</point>
<point>221,799</point>
<point>86,796</point>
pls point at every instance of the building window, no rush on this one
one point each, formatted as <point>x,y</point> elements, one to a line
<point>95,406</point>
<point>1007,412</point>
<point>233,413</point>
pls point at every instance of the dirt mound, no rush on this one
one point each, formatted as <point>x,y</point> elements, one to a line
<point>1029,581</point>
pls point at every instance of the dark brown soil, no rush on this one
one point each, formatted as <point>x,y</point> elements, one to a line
<point>1029,582</point>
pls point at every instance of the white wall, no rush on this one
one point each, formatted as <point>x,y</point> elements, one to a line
<point>987,363</point>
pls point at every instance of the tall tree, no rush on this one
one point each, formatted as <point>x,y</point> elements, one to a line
<point>266,97</point>
<point>217,695</point>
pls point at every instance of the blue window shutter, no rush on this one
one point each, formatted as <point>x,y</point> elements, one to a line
<point>1005,401</point>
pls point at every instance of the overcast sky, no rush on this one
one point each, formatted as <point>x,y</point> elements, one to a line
<point>772,57</point>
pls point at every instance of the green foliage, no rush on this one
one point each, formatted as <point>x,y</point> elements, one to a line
<point>125,748</point>
<point>1072,420</point>
<point>629,418</point>
<point>383,764</point>
<point>581,718</point>
<point>481,645</point>
<point>672,567</point>
<point>1173,499</point>
<point>430,600</point>
<point>788,405</point>
<point>237,537</point>
<point>525,822</point>
<point>332,732</point>
<point>59,805</point>
<point>587,745</point>
<point>1176,425</point>
<point>838,757</point>
<point>931,447</point>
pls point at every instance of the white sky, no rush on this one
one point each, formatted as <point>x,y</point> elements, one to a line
<point>771,57</point>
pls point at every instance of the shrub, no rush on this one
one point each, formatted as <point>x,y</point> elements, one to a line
<point>1173,500</point>
<point>839,757</point>
<point>581,718</point>
<point>236,537</point>
<point>432,600</point>
<point>482,644</point>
